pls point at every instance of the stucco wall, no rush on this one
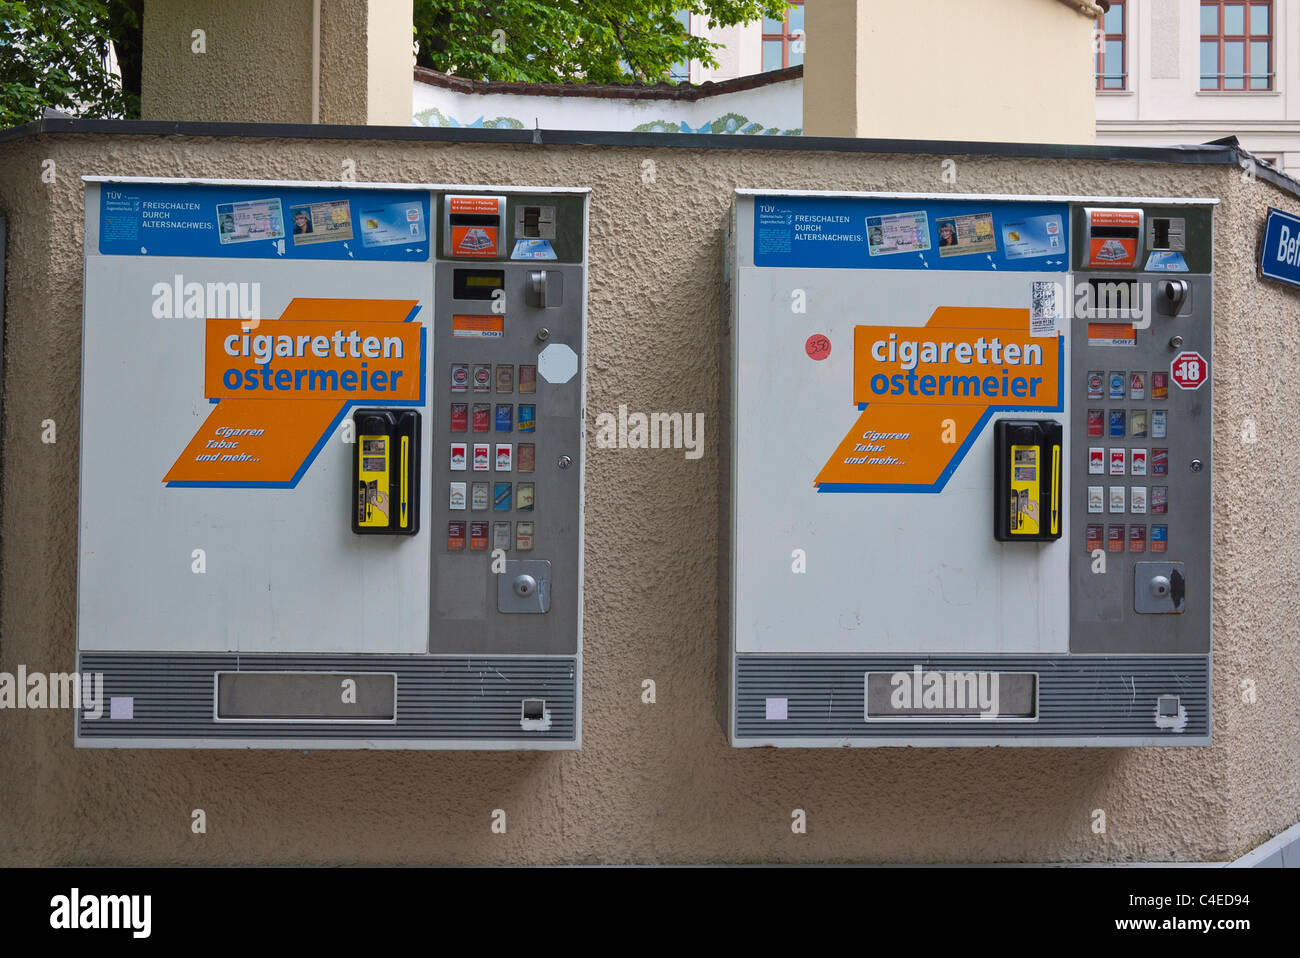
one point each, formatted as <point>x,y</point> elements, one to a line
<point>255,67</point>
<point>653,783</point>
<point>257,61</point>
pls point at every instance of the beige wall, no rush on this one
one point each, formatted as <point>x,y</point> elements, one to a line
<point>996,70</point>
<point>653,783</point>
<point>390,60</point>
<point>258,61</point>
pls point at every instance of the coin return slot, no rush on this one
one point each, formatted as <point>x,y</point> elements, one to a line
<point>534,716</point>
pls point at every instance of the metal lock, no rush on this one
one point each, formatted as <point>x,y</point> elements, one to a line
<point>1159,587</point>
<point>524,586</point>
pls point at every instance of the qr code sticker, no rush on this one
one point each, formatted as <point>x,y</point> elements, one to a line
<point>1045,310</point>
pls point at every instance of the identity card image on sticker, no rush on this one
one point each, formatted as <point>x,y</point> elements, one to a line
<point>1036,236</point>
<point>898,233</point>
<point>970,233</point>
<point>327,222</point>
<point>394,223</point>
<point>250,220</point>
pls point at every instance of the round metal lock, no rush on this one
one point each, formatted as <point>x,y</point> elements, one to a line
<point>564,462</point>
<point>1176,342</point>
<point>1196,465</point>
<point>543,334</point>
<point>1159,586</point>
<point>524,586</point>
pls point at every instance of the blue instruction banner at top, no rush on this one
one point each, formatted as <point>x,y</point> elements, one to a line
<point>272,222</point>
<point>864,233</point>
<point>1279,258</point>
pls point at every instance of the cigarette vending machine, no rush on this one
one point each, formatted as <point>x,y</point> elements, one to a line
<point>968,471</point>
<point>332,465</point>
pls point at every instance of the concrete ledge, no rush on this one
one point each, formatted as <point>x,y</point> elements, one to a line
<point>1280,851</point>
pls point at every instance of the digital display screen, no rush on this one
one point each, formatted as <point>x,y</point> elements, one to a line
<point>477,283</point>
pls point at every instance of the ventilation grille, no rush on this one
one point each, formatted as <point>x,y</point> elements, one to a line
<point>1078,696</point>
<point>443,698</point>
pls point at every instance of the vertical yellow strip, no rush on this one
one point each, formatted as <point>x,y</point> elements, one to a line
<point>403,479</point>
<point>1056,490</point>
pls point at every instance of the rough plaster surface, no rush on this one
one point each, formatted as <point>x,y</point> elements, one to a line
<point>344,68</point>
<point>257,67</point>
<point>652,783</point>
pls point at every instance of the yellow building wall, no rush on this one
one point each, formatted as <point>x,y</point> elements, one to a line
<point>994,70</point>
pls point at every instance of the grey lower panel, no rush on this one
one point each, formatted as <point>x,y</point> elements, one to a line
<point>1082,699</point>
<point>456,699</point>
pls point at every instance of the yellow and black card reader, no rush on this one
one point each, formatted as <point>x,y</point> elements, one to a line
<point>1027,504</point>
<point>386,472</point>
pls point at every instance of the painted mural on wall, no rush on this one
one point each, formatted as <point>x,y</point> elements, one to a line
<point>435,117</point>
<point>727,123</point>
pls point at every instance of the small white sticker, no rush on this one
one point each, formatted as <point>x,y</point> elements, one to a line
<point>1045,310</point>
<point>557,363</point>
<point>121,707</point>
<point>777,710</point>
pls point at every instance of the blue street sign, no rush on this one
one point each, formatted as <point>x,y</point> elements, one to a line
<point>1280,257</point>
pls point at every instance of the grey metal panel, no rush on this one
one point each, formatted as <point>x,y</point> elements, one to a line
<point>1103,616</point>
<point>464,587</point>
<point>1095,700</point>
<point>439,698</point>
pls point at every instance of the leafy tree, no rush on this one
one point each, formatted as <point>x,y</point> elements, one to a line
<point>557,41</point>
<point>56,55</point>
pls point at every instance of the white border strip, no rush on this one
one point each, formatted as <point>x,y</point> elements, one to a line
<point>338,184</point>
<point>991,197</point>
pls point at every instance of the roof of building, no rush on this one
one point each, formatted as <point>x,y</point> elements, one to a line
<point>613,91</point>
<point>1089,8</point>
<point>1222,152</point>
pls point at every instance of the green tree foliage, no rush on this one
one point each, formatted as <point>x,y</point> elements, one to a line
<point>56,54</point>
<point>558,41</point>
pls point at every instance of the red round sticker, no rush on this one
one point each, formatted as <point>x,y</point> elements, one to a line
<point>817,346</point>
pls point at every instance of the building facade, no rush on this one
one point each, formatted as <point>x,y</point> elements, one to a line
<point>1191,71</point>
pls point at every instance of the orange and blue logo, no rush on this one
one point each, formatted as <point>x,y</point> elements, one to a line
<point>281,387</point>
<point>925,392</point>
